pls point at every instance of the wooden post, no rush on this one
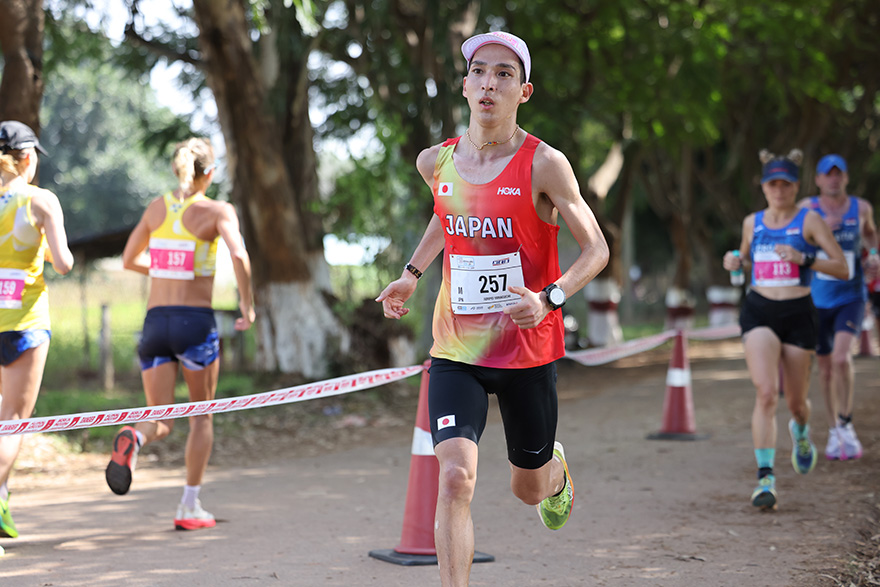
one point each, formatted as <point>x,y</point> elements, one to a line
<point>84,310</point>
<point>107,373</point>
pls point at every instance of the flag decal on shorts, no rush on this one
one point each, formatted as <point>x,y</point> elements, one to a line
<point>445,422</point>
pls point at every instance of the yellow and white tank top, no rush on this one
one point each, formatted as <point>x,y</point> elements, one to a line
<point>175,252</point>
<point>24,299</point>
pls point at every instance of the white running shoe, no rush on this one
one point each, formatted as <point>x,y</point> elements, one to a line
<point>850,447</point>
<point>193,519</point>
<point>832,449</point>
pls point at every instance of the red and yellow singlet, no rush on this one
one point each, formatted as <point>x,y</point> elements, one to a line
<point>494,239</point>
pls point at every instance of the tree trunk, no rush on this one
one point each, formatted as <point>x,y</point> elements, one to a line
<point>21,40</point>
<point>272,165</point>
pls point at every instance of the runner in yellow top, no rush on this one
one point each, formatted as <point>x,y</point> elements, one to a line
<point>31,230</point>
<point>181,230</point>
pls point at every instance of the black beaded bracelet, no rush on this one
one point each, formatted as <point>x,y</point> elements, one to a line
<point>412,269</point>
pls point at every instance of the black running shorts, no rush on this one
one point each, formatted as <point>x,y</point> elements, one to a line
<point>458,403</point>
<point>794,322</point>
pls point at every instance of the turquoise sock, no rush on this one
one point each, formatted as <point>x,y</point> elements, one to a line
<point>765,457</point>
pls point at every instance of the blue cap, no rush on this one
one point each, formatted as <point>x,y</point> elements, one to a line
<point>780,169</point>
<point>829,162</point>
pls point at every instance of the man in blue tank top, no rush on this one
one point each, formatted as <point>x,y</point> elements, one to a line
<point>841,303</point>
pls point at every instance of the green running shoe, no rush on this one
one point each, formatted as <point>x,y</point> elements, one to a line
<point>7,526</point>
<point>803,452</point>
<point>556,509</point>
<point>764,495</point>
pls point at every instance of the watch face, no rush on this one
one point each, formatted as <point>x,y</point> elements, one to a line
<point>557,296</point>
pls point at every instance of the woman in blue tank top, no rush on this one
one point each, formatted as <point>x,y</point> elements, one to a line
<point>778,319</point>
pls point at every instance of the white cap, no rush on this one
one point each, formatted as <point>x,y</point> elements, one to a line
<point>512,42</point>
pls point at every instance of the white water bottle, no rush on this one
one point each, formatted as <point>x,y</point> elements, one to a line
<point>737,277</point>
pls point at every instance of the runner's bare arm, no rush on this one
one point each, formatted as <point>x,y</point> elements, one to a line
<point>554,179</point>
<point>869,238</point>
<point>869,227</point>
<point>817,232</point>
<point>553,176</point>
<point>730,261</point>
<point>230,231</point>
<point>399,291</point>
<point>48,215</point>
<point>139,238</point>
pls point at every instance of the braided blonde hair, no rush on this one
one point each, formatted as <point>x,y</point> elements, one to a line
<point>192,159</point>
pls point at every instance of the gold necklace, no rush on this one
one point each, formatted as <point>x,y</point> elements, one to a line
<point>490,143</point>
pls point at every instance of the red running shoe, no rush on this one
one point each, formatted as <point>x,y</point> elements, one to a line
<point>122,461</point>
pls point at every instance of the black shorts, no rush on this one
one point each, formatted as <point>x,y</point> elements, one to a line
<point>795,321</point>
<point>458,403</point>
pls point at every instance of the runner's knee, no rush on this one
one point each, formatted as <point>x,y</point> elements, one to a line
<point>457,482</point>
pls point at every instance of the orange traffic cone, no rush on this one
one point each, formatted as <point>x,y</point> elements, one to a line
<point>678,405</point>
<point>417,538</point>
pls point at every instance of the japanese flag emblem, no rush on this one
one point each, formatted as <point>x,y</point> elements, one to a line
<point>445,422</point>
<point>444,189</point>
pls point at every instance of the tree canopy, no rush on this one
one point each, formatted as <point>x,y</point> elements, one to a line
<point>661,105</point>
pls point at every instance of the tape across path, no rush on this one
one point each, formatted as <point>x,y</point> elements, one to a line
<point>601,356</point>
<point>328,388</point>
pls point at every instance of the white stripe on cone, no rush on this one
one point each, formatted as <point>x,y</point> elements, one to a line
<point>422,444</point>
<point>678,377</point>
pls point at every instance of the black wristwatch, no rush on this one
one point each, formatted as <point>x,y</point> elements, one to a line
<point>809,259</point>
<point>555,296</point>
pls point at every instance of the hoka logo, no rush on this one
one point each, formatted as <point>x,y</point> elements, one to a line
<point>509,192</point>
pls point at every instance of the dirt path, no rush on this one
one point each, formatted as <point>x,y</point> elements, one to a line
<point>658,513</point>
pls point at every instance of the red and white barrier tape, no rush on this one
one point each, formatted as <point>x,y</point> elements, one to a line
<point>715,332</point>
<point>601,356</point>
<point>328,388</point>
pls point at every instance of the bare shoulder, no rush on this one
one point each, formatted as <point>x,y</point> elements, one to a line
<point>814,219</point>
<point>550,160</point>
<point>223,209</point>
<point>155,212</point>
<point>553,176</point>
<point>41,195</point>
<point>426,161</point>
<point>864,205</point>
<point>804,202</point>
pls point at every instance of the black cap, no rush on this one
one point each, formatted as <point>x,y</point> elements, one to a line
<point>16,135</point>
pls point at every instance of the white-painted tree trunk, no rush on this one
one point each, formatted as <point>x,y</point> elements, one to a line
<point>679,309</point>
<point>603,322</point>
<point>723,304</point>
<point>297,331</point>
